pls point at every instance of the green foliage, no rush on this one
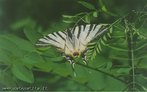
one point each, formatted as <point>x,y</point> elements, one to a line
<point>22,73</point>
<point>116,59</point>
<point>87,5</point>
<point>96,46</point>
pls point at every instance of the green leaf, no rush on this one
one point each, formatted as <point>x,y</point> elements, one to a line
<point>4,55</point>
<point>52,52</point>
<point>101,40</point>
<point>91,43</point>
<point>68,21</point>
<point>56,59</point>
<point>61,69</point>
<point>143,63</point>
<point>21,43</point>
<point>22,73</point>
<point>87,19</point>
<point>67,16</point>
<point>80,72</point>
<point>87,5</point>
<point>45,66</point>
<point>102,5</point>
<point>95,14</point>
<point>9,46</point>
<point>99,46</point>
<point>104,9</point>
<point>29,23</point>
<point>144,88</point>
<point>32,58</point>
<point>99,61</point>
<point>100,81</point>
<point>98,50</point>
<point>109,65</point>
<point>123,70</point>
<point>105,38</point>
<point>32,35</point>
<point>142,82</point>
<point>7,79</point>
<point>117,48</point>
<point>109,35</point>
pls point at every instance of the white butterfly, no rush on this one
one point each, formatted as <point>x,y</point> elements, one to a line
<point>73,42</point>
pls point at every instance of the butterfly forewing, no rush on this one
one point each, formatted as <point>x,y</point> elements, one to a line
<point>56,39</point>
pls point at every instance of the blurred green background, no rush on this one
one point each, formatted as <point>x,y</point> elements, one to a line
<point>23,22</point>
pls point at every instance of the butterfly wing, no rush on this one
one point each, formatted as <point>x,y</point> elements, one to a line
<point>62,40</point>
<point>95,31</point>
<point>75,39</point>
<point>87,33</point>
<point>57,39</point>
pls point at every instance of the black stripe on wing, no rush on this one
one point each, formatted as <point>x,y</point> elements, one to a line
<point>69,33</point>
<point>90,29</point>
<point>49,38</point>
<point>61,36</point>
<point>56,39</point>
<point>103,28</point>
<point>79,31</point>
<point>41,44</point>
<point>95,25</point>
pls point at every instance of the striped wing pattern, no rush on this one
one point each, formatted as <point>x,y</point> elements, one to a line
<point>75,39</point>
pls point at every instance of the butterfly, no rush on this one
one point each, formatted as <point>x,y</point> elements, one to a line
<point>73,42</point>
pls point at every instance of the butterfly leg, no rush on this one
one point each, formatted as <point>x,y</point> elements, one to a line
<point>84,57</point>
<point>73,66</point>
<point>85,61</point>
<point>72,63</point>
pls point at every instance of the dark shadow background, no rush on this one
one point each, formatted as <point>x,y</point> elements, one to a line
<point>45,12</point>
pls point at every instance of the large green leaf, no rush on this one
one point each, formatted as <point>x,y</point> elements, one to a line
<point>32,58</point>
<point>22,73</point>
<point>97,80</point>
<point>6,79</point>
<point>36,60</point>
<point>61,69</point>
<point>22,43</point>
<point>5,55</point>
<point>99,62</point>
<point>10,46</point>
<point>32,35</point>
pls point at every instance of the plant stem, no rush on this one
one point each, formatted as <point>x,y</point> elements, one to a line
<point>129,36</point>
<point>132,63</point>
